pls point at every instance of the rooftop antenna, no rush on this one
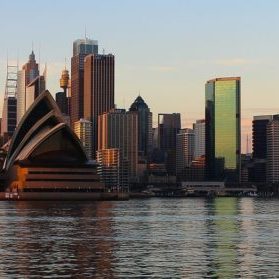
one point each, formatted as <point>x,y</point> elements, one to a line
<point>139,92</point>
<point>85,34</point>
<point>17,55</point>
<point>103,51</point>
<point>65,62</point>
<point>124,105</point>
<point>39,57</point>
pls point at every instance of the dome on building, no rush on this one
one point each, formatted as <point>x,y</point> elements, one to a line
<point>138,104</point>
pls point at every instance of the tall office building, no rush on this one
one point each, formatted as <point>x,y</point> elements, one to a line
<point>168,127</point>
<point>258,172</point>
<point>222,120</point>
<point>199,131</point>
<point>81,48</point>
<point>185,145</point>
<point>144,126</point>
<point>273,150</point>
<point>98,90</point>
<point>83,130</point>
<point>29,72</point>
<point>33,90</point>
<point>119,129</point>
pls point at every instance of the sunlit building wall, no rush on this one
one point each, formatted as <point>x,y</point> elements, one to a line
<point>222,112</point>
<point>81,48</point>
<point>199,131</point>
<point>98,90</point>
<point>119,129</point>
<point>83,129</point>
<point>109,168</point>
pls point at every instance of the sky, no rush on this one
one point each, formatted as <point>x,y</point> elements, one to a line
<point>165,50</point>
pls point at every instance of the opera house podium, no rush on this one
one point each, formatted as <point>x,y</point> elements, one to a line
<point>46,161</point>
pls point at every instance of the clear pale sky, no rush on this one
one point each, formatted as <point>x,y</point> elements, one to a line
<point>164,49</point>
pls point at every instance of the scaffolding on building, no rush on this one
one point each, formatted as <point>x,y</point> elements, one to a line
<point>8,122</point>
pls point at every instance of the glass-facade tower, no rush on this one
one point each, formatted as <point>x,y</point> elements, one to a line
<point>222,117</point>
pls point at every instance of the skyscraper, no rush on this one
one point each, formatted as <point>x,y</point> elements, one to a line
<point>168,127</point>
<point>199,131</point>
<point>185,143</point>
<point>119,129</point>
<point>98,90</point>
<point>81,48</point>
<point>258,173</point>
<point>33,89</point>
<point>222,118</point>
<point>144,126</point>
<point>29,72</point>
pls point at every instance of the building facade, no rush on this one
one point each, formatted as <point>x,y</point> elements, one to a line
<point>168,127</point>
<point>144,126</point>
<point>81,48</point>
<point>29,72</point>
<point>119,129</point>
<point>98,90</point>
<point>185,145</point>
<point>33,90</point>
<point>222,120</point>
<point>272,132</point>
<point>109,169</point>
<point>83,130</point>
<point>199,131</point>
<point>258,171</point>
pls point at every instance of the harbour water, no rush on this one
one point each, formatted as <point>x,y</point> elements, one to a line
<point>147,238</point>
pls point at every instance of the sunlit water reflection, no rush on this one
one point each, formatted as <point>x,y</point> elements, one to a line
<point>159,238</point>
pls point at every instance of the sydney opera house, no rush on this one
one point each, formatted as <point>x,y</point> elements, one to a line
<point>45,159</point>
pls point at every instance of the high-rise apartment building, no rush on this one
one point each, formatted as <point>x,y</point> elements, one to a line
<point>119,129</point>
<point>185,145</point>
<point>29,72</point>
<point>222,120</point>
<point>83,130</point>
<point>109,169</point>
<point>98,90</point>
<point>144,126</point>
<point>81,48</point>
<point>199,131</point>
<point>168,127</point>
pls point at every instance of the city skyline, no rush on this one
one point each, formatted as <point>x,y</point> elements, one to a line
<point>140,37</point>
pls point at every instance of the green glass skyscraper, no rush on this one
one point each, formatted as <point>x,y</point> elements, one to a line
<point>222,117</point>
